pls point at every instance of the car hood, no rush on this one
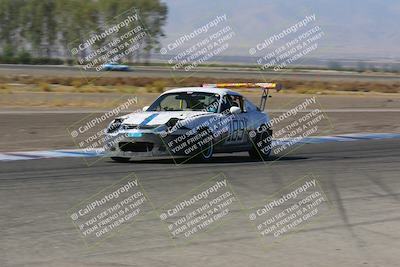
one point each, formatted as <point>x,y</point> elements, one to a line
<point>159,118</point>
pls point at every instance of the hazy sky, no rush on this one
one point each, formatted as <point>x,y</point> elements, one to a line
<point>352,27</point>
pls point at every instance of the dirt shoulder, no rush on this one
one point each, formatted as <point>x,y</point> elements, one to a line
<point>25,100</point>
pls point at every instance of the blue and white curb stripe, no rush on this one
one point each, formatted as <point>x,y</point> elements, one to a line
<point>340,138</point>
<point>79,153</point>
<point>65,153</point>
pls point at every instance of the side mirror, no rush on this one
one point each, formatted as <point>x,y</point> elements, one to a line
<point>145,108</point>
<point>235,110</point>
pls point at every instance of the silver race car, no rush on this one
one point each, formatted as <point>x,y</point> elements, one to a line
<point>193,122</point>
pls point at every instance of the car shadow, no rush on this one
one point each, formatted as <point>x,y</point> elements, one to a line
<point>215,160</point>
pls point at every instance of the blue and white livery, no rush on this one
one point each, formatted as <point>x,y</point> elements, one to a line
<point>191,122</point>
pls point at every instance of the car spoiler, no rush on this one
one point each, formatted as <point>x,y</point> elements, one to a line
<point>264,86</point>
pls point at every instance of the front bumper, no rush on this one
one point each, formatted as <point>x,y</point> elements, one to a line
<point>148,143</point>
<point>136,145</point>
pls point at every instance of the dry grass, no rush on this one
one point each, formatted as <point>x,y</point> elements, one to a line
<point>311,87</point>
<point>158,85</point>
<point>45,87</point>
<point>77,83</point>
<point>4,89</point>
<point>56,103</point>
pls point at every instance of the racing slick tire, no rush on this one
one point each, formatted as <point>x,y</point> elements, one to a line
<point>206,149</point>
<point>263,152</point>
<point>120,159</point>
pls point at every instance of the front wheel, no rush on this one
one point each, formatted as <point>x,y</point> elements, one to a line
<point>206,146</point>
<point>120,159</point>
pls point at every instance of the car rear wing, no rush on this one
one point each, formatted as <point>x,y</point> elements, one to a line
<point>264,86</point>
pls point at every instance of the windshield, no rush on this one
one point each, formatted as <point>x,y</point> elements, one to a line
<point>193,101</point>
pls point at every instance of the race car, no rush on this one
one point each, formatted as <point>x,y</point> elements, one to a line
<point>194,123</point>
<point>115,66</point>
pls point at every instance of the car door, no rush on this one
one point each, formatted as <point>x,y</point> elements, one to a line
<point>236,123</point>
<point>254,115</point>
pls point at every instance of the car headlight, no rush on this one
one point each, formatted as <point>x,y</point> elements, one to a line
<point>114,125</point>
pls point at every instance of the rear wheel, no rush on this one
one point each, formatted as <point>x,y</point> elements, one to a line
<point>262,145</point>
<point>120,159</point>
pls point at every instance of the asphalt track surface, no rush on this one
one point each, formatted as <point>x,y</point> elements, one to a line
<point>361,180</point>
<point>167,72</point>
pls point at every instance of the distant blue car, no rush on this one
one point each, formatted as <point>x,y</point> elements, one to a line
<point>115,66</point>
